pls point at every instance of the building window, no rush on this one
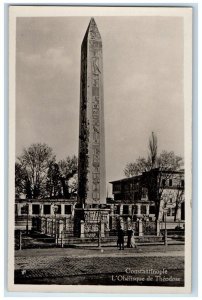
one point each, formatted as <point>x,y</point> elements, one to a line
<point>169,212</point>
<point>16,209</point>
<point>58,210</point>
<point>144,193</point>
<point>110,222</point>
<point>182,211</point>
<point>152,209</point>
<point>118,209</point>
<point>170,182</point>
<point>116,187</point>
<point>35,209</point>
<point>24,209</point>
<point>143,209</point>
<point>163,182</point>
<point>126,187</point>
<point>182,183</point>
<point>68,209</point>
<point>46,209</point>
<point>125,209</point>
<point>136,196</point>
<point>135,209</point>
<point>170,200</point>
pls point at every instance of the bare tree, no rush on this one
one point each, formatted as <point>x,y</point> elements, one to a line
<point>159,168</point>
<point>152,157</point>
<point>143,164</point>
<point>22,184</point>
<point>33,164</point>
<point>169,161</point>
<point>53,184</point>
<point>68,168</point>
<point>138,167</point>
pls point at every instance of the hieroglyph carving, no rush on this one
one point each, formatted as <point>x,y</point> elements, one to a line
<point>95,69</point>
<point>91,174</point>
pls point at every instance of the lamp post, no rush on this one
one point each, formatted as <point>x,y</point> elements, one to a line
<point>27,224</point>
<point>55,209</point>
<point>99,235</point>
<point>165,231</point>
<point>99,229</point>
<point>26,211</point>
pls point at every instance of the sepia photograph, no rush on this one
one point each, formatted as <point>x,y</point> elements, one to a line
<point>100,147</point>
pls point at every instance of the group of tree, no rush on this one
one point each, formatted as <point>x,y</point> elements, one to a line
<point>165,161</point>
<point>39,175</point>
<point>161,166</point>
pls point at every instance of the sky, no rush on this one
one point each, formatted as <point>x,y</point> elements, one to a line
<point>143,85</point>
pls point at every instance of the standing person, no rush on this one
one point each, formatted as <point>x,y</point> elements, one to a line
<point>129,233</point>
<point>133,244</point>
<point>120,241</point>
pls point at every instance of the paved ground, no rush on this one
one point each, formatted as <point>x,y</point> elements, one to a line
<point>110,251</point>
<point>108,266</point>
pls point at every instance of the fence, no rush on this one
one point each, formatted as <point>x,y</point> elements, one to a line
<point>149,228</point>
<point>33,240</point>
<point>54,232</point>
<point>173,230</point>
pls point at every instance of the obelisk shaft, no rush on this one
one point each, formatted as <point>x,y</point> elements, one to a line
<point>91,174</point>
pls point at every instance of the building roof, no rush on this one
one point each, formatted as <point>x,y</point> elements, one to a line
<point>50,201</point>
<point>137,177</point>
<point>127,178</point>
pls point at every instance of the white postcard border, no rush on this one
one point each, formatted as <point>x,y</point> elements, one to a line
<point>28,11</point>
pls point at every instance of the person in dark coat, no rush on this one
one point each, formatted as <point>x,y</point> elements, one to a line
<point>129,233</point>
<point>120,241</point>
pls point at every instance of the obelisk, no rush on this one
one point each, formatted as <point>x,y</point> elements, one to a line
<point>91,166</point>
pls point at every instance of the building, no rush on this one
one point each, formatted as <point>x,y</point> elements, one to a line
<point>28,212</point>
<point>151,195</point>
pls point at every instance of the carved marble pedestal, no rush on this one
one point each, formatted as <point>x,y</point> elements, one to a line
<point>92,222</point>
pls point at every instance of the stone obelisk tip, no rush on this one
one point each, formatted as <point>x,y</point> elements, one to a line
<point>92,31</point>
